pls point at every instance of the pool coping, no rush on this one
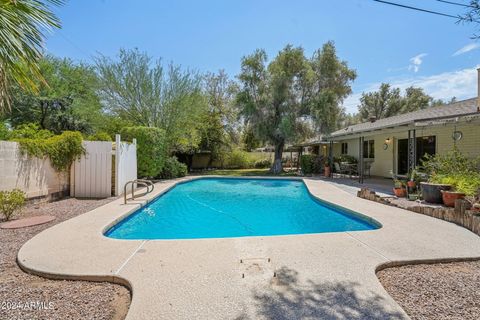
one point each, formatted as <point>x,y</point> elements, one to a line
<point>48,261</point>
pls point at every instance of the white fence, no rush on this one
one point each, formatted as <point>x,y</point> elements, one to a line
<point>125,163</point>
<point>91,175</point>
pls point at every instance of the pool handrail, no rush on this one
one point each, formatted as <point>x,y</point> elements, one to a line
<point>144,182</point>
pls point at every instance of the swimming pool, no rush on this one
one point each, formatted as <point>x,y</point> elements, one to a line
<point>229,207</point>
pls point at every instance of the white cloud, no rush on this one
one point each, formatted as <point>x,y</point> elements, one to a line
<point>467,48</point>
<point>416,61</point>
<point>461,84</point>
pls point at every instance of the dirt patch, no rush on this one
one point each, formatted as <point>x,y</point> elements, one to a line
<point>25,296</point>
<point>436,291</point>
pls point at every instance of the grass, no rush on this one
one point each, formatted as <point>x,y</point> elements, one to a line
<point>244,172</point>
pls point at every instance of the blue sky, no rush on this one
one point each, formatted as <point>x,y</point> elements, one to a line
<point>383,43</point>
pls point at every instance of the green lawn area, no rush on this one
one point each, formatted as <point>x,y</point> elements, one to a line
<point>244,172</point>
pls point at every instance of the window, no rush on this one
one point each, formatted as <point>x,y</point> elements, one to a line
<point>425,145</point>
<point>344,147</point>
<point>369,149</point>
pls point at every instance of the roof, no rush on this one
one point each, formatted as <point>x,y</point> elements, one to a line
<point>452,110</point>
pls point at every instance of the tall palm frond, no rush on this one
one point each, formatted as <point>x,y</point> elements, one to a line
<point>23,24</point>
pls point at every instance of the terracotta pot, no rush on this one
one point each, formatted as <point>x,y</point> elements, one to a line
<point>400,192</point>
<point>411,184</point>
<point>431,191</point>
<point>327,171</point>
<point>449,197</point>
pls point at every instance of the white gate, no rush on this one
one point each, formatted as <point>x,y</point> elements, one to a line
<point>91,175</point>
<point>125,163</point>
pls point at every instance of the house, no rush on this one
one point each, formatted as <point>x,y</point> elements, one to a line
<point>397,144</point>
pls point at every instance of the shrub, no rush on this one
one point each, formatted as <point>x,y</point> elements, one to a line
<point>465,183</point>
<point>263,163</point>
<point>173,169</point>
<point>318,163</point>
<point>4,133</point>
<point>238,159</point>
<point>29,131</point>
<point>62,149</point>
<point>99,136</point>
<point>151,149</point>
<point>453,162</point>
<point>11,201</point>
<point>306,163</point>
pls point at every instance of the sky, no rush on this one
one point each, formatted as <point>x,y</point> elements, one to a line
<point>382,43</point>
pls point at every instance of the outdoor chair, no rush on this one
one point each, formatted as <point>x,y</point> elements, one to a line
<point>340,170</point>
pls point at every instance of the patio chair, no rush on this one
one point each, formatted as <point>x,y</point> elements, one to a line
<point>340,170</point>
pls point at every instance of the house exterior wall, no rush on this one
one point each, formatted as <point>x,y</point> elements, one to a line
<point>385,160</point>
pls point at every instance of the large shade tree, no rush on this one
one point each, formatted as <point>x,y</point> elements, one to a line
<point>280,100</point>
<point>145,92</point>
<point>22,32</point>
<point>388,101</point>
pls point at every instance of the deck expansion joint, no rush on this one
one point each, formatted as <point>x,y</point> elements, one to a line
<point>130,257</point>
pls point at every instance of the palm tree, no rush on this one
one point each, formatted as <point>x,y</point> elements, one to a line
<point>22,27</point>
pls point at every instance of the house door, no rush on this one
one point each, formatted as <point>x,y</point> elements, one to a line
<point>425,145</point>
<point>402,156</point>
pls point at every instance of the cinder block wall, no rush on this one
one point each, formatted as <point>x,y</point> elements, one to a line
<point>34,176</point>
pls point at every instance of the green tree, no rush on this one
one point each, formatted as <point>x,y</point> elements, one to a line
<point>276,100</point>
<point>66,100</point>
<point>23,24</point>
<point>388,102</point>
<point>143,91</point>
<point>218,131</point>
<point>329,87</point>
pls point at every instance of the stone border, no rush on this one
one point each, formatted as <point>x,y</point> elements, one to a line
<point>460,215</point>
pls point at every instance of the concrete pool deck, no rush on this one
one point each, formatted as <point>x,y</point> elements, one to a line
<point>326,275</point>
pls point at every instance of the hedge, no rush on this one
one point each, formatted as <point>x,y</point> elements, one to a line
<point>151,149</point>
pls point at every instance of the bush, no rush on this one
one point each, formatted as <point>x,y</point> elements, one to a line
<point>29,131</point>
<point>11,201</point>
<point>306,163</point>
<point>263,163</point>
<point>62,149</point>
<point>4,133</point>
<point>99,136</point>
<point>238,159</point>
<point>173,169</point>
<point>151,149</point>
<point>465,183</point>
<point>318,163</point>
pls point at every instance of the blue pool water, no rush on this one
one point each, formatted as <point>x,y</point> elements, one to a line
<point>220,208</point>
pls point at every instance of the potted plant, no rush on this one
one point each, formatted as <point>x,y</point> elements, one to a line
<point>399,186</point>
<point>327,168</point>
<point>412,177</point>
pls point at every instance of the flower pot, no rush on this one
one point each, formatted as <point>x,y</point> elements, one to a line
<point>327,171</point>
<point>400,192</point>
<point>431,191</point>
<point>449,197</point>
<point>411,184</point>
<point>412,196</point>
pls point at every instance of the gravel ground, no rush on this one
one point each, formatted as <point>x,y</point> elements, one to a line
<point>436,291</point>
<point>22,294</point>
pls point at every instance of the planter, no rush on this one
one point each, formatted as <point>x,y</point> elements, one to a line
<point>412,196</point>
<point>327,171</point>
<point>411,184</point>
<point>400,192</point>
<point>449,197</point>
<point>431,192</point>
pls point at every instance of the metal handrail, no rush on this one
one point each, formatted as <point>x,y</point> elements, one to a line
<point>146,183</point>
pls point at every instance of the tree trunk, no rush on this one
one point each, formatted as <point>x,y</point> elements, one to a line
<point>277,162</point>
